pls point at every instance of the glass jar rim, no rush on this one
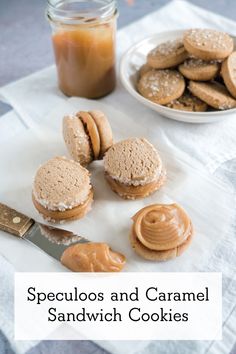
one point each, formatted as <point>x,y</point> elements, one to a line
<point>104,11</point>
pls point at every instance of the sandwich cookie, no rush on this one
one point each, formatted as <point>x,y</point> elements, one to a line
<point>161,86</point>
<point>161,232</point>
<point>87,135</point>
<point>188,102</point>
<point>208,44</point>
<point>228,72</point>
<point>92,257</point>
<point>213,93</point>
<point>199,70</point>
<point>62,190</point>
<point>167,55</point>
<point>133,168</point>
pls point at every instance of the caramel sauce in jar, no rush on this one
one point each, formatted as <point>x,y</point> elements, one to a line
<point>84,47</point>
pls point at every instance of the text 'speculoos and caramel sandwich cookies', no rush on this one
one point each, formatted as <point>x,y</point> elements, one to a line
<point>133,168</point>
<point>92,257</point>
<point>62,190</point>
<point>87,135</point>
<point>161,232</point>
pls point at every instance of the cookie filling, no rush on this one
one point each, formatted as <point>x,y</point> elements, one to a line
<point>161,232</point>
<point>133,162</point>
<point>161,227</point>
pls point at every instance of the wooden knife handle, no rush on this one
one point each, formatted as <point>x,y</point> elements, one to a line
<point>14,222</point>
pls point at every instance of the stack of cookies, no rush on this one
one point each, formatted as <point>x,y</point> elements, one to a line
<point>194,73</point>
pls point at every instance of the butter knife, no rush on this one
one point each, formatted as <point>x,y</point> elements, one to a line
<point>49,239</point>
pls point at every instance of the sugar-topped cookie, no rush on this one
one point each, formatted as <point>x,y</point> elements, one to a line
<point>161,86</point>
<point>213,93</point>
<point>188,102</point>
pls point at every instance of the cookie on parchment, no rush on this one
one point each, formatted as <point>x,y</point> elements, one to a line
<point>208,44</point>
<point>161,86</point>
<point>228,72</point>
<point>213,93</point>
<point>199,70</point>
<point>167,55</point>
<point>188,102</point>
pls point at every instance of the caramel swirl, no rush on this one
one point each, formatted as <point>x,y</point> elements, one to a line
<point>92,257</point>
<point>161,226</point>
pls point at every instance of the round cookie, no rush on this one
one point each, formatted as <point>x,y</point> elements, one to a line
<point>161,86</point>
<point>167,55</point>
<point>208,44</point>
<point>228,72</point>
<point>104,129</point>
<point>77,140</point>
<point>213,93</point>
<point>188,102</point>
<point>133,168</point>
<point>158,256</point>
<point>62,190</point>
<point>199,70</point>
<point>161,232</point>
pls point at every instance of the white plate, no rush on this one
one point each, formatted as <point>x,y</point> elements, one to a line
<point>136,56</point>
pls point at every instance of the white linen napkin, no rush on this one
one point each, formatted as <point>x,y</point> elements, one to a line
<point>33,97</point>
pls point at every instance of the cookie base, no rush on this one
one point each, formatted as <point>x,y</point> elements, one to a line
<point>92,257</point>
<point>135,192</point>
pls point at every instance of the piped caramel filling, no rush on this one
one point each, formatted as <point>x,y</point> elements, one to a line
<point>92,257</point>
<point>162,227</point>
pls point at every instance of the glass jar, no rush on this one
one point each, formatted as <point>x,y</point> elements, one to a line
<point>83,36</point>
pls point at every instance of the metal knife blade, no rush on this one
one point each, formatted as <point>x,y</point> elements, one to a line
<point>51,240</point>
